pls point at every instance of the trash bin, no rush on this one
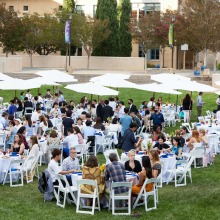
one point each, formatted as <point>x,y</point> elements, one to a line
<point>203,67</point>
<point>196,73</point>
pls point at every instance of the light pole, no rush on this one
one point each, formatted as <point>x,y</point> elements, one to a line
<point>173,18</point>
<point>70,20</point>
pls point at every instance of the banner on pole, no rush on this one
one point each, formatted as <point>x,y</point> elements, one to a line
<point>170,35</point>
<point>67,32</point>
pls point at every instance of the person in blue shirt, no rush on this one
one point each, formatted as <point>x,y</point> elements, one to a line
<point>176,149</point>
<point>157,118</point>
<point>88,130</point>
<point>12,109</point>
<point>125,121</point>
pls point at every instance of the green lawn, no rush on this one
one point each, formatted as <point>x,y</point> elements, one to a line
<point>199,200</point>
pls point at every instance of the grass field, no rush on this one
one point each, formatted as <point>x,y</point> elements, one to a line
<point>199,200</point>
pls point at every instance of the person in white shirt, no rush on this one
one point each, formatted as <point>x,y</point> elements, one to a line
<point>35,116</point>
<point>34,146</point>
<point>18,124</point>
<point>40,99</point>
<point>3,119</point>
<point>151,103</point>
<point>121,108</point>
<point>55,111</point>
<point>54,168</point>
<point>43,124</point>
<point>71,140</point>
<point>28,95</point>
<point>112,103</point>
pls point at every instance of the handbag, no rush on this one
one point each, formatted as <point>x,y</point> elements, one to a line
<point>121,141</point>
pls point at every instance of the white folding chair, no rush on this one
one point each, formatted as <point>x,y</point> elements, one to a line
<point>28,111</point>
<point>160,177</point>
<point>120,196</point>
<point>66,189</point>
<point>181,171</point>
<point>213,143</point>
<point>19,114</point>
<point>26,152</point>
<point>187,125</point>
<point>144,195</point>
<point>201,119</point>
<point>94,197</point>
<point>107,152</point>
<point>15,169</point>
<point>2,140</point>
<point>80,148</point>
<point>198,153</point>
<point>29,167</point>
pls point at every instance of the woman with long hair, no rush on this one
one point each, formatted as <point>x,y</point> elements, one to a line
<point>91,171</point>
<point>18,145</point>
<point>11,134</point>
<point>29,125</point>
<point>98,124</point>
<point>22,130</point>
<point>195,138</point>
<point>187,103</point>
<point>43,124</point>
<point>155,162</point>
<point>176,148</point>
<point>146,173</point>
<point>34,148</point>
<point>77,131</point>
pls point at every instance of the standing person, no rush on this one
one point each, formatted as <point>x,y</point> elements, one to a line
<point>67,123</point>
<point>132,107</point>
<point>157,118</point>
<point>218,103</point>
<point>12,109</point>
<point>28,95</point>
<point>107,111</point>
<point>27,104</point>
<point>199,103</point>
<point>125,121</point>
<point>48,95</point>
<point>99,111</point>
<point>187,103</point>
<point>22,96</point>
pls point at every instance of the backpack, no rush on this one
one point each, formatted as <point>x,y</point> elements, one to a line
<point>42,183</point>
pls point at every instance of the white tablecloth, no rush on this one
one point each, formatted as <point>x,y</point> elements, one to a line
<point>4,165</point>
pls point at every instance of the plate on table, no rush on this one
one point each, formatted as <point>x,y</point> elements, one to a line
<point>5,157</point>
<point>14,155</point>
<point>141,152</point>
<point>78,173</point>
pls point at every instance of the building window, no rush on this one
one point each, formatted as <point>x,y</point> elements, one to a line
<point>60,8</point>
<point>94,10</point>
<point>80,9</point>
<point>154,54</point>
<point>11,8</point>
<point>25,8</point>
<point>148,7</point>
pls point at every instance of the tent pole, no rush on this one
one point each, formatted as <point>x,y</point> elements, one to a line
<point>38,90</point>
<point>53,90</point>
<point>169,98</point>
<point>176,101</point>
<point>91,97</point>
<point>15,92</point>
<point>98,98</point>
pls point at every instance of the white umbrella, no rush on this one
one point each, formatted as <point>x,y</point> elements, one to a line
<point>110,76</point>
<point>154,87</point>
<point>217,83</point>
<point>43,81</point>
<point>218,92</point>
<point>117,83</point>
<point>167,78</point>
<point>92,88</point>
<point>56,76</point>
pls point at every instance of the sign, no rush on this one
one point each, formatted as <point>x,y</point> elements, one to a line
<point>185,47</point>
<point>170,35</point>
<point>67,32</point>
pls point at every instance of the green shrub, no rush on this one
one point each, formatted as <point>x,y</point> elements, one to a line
<point>218,66</point>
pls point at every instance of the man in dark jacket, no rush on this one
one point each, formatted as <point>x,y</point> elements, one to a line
<point>107,111</point>
<point>132,107</point>
<point>27,104</point>
<point>99,111</point>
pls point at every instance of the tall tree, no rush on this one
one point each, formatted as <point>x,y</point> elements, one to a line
<point>124,29</point>
<point>91,33</point>
<point>69,5</point>
<point>107,9</point>
<point>10,30</point>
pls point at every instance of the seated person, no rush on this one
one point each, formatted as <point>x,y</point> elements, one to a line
<point>91,171</point>
<point>35,115</point>
<point>98,124</point>
<point>161,146</point>
<point>71,140</point>
<point>49,123</point>
<point>182,140</point>
<point>88,130</point>
<point>115,172</point>
<point>53,139</point>
<point>155,161</point>
<point>71,162</point>
<point>34,147</point>
<point>55,111</point>
<point>146,173</point>
<point>132,164</point>
<point>176,149</point>
<point>18,145</point>
<point>54,168</point>
<point>156,132</point>
<point>185,133</point>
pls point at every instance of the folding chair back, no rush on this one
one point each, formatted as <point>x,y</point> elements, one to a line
<point>2,140</point>
<point>94,196</point>
<point>123,196</point>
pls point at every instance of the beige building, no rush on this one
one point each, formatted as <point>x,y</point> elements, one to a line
<point>88,7</point>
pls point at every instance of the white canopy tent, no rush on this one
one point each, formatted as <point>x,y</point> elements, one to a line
<point>217,83</point>
<point>42,81</point>
<point>154,87</point>
<point>56,76</point>
<point>5,77</point>
<point>92,88</point>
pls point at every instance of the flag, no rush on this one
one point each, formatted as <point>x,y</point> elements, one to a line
<point>67,32</point>
<point>170,35</point>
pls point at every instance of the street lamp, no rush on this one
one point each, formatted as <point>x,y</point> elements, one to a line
<point>173,18</point>
<point>70,20</point>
